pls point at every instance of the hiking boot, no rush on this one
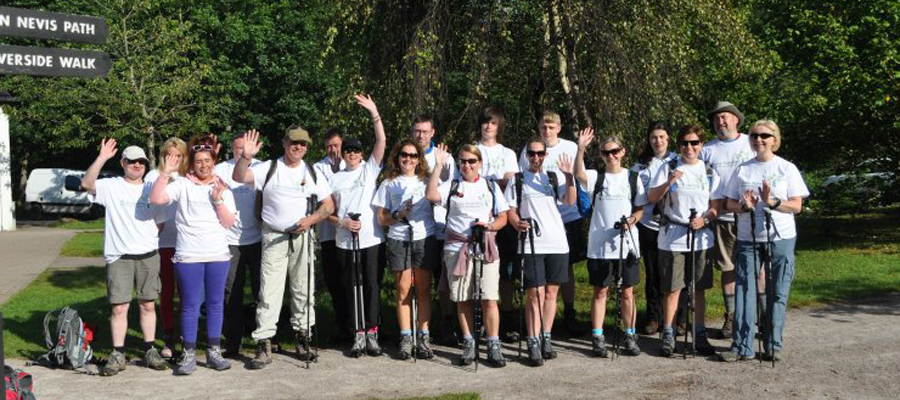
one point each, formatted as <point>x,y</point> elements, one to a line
<point>215,360</point>
<point>154,361</point>
<point>114,364</point>
<point>423,347</point>
<point>703,346</point>
<point>535,359</point>
<point>631,346</point>
<point>372,347</point>
<point>770,355</point>
<point>304,346</point>
<point>263,354</point>
<point>495,357</point>
<point>651,328</point>
<point>188,362</point>
<point>727,326</point>
<point>668,344</point>
<point>680,328</point>
<point>406,347</point>
<point>359,345</point>
<point>548,352</point>
<point>598,346</point>
<point>468,354</point>
<point>571,323</point>
<point>730,356</point>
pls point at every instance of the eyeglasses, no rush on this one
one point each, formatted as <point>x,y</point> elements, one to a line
<point>470,161</point>
<point>686,143</point>
<point>762,136</point>
<point>532,153</point>
<point>303,143</point>
<point>202,147</point>
<point>607,153</point>
<point>352,151</point>
<point>409,155</point>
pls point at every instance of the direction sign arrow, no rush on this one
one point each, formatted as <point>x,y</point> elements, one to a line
<point>20,60</point>
<point>50,25</point>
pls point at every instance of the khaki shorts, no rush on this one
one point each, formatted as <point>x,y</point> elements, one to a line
<point>675,267</point>
<point>462,288</point>
<point>723,250</point>
<point>137,273</point>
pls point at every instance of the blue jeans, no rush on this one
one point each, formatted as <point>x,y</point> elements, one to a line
<point>782,274</point>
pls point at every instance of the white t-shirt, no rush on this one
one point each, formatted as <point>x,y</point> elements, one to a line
<point>539,204</point>
<point>724,156</point>
<point>693,190</point>
<point>611,204</point>
<point>497,160</point>
<point>472,201</point>
<point>286,195</point>
<point>165,215</point>
<point>440,213</point>
<point>325,230</point>
<point>551,163</point>
<point>201,237</point>
<point>393,194</point>
<point>645,175</point>
<point>246,229</point>
<point>785,182</point>
<point>130,219</point>
<point>353,192</point>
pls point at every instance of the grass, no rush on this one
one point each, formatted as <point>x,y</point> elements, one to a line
<point>838,258</point>
<point>69,223</point>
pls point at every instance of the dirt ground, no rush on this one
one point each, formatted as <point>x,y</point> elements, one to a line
<point>848,350</point>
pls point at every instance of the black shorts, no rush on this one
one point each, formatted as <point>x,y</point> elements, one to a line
<point>541,269</point>
<point>600,272</point>
<point>508,245</point>
<point>575,235</point>
<point>423,253</point>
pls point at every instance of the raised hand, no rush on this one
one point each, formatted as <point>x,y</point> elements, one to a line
<point>440,154</point>
<point>565,163</point>
<point>765,192</point>
<point>252,144</point>
<point>366,102</point>
<point>108,149</point>
<point>219,186</point>
<point>172,163</point>
<point>585,137</point>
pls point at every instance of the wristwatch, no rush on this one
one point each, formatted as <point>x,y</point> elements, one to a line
<point>777,203</point>
<point>217,202</point>
<point>395,215</point>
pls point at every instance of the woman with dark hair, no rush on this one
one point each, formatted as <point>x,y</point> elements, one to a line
<point>205,212</point>
<point>654,154</point>
<point>413,251</point>
<point>685,189</point>
<point>771,190</point>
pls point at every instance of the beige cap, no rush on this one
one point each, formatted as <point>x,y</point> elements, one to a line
<point>296,133</point>
<point>134,153</point>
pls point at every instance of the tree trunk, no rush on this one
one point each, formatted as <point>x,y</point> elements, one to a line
<point>151,145</point>
<point>574,71</point>
<point>559,45</point>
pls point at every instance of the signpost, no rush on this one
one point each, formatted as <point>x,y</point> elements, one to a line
<point>52,62</point>
<point>50,25</point>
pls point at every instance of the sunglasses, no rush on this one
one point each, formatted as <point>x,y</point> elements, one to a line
<point>139,161</point>
<point>202,147</point>
<point>607,153</point>
<point>762,136</point>
<point>686,143</point>
<point>303,143</point>
<point>470,161</point>
<point>409,155</point>
<point>352,151</point>
<point>532,153</point>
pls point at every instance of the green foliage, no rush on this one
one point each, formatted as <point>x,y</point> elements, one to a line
<point>84,244</point>
<point>69,223</point>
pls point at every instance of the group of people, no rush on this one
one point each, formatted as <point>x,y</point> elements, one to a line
<point>471,226</point>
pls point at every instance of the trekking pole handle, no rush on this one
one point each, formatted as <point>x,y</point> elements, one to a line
<point>354,216</point>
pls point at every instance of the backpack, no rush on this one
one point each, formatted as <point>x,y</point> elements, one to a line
<point>454,188</point>
<point>19,385</point>
<point>269,174</point>
<point>520,181</point>
<point>586,200</point>
<point>71,346</point>
<point>661,204</point>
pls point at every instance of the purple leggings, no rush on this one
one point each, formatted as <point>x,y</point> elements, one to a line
<point>196,281</point>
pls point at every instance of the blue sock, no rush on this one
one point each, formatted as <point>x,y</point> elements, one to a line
<point>405,332</point>
<point>597,332</point>
<point>493,338</point>
<point>423,331</point>
<point>468,337</point>
<point>668,329</point>
<point>547,335</point>
<point>629,331</point>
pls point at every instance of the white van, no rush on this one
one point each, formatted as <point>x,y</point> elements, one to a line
<point>58,191</point>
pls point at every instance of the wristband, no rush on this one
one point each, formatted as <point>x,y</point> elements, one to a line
<point>218,202</point>
<point>395,215</point>
<point>777,203</point>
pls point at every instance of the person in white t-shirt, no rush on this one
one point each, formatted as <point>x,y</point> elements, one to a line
<point>293,201</point>
<point>549,128</point>
<point>533,210</point>
<point>653,155</point>
<point>352,191</point>
<point>500,165</point>
<point>130,240</point>
<point>205,212</point>
<point>617,201</point>
<point>167,234</point>
<point>686,191</point>
<point>325,231</point>
<point>769,189</point>
<point>423,131</point>
<point>475,208</point>
<point>245,246</point>
<point>724,154</point>
<point>413,251</point>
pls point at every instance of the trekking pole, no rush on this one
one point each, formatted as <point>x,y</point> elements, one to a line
<point>756,273</point>
<point>414,307</point>
<point>2,359</point>
<point>359,302</point>
<point>522,237</point>
<point>617,280</point>
<point>478,264</point>
<point>691,317</point>
<point>310,297</point>
<point>532,231</point>
<point>770,282</point>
